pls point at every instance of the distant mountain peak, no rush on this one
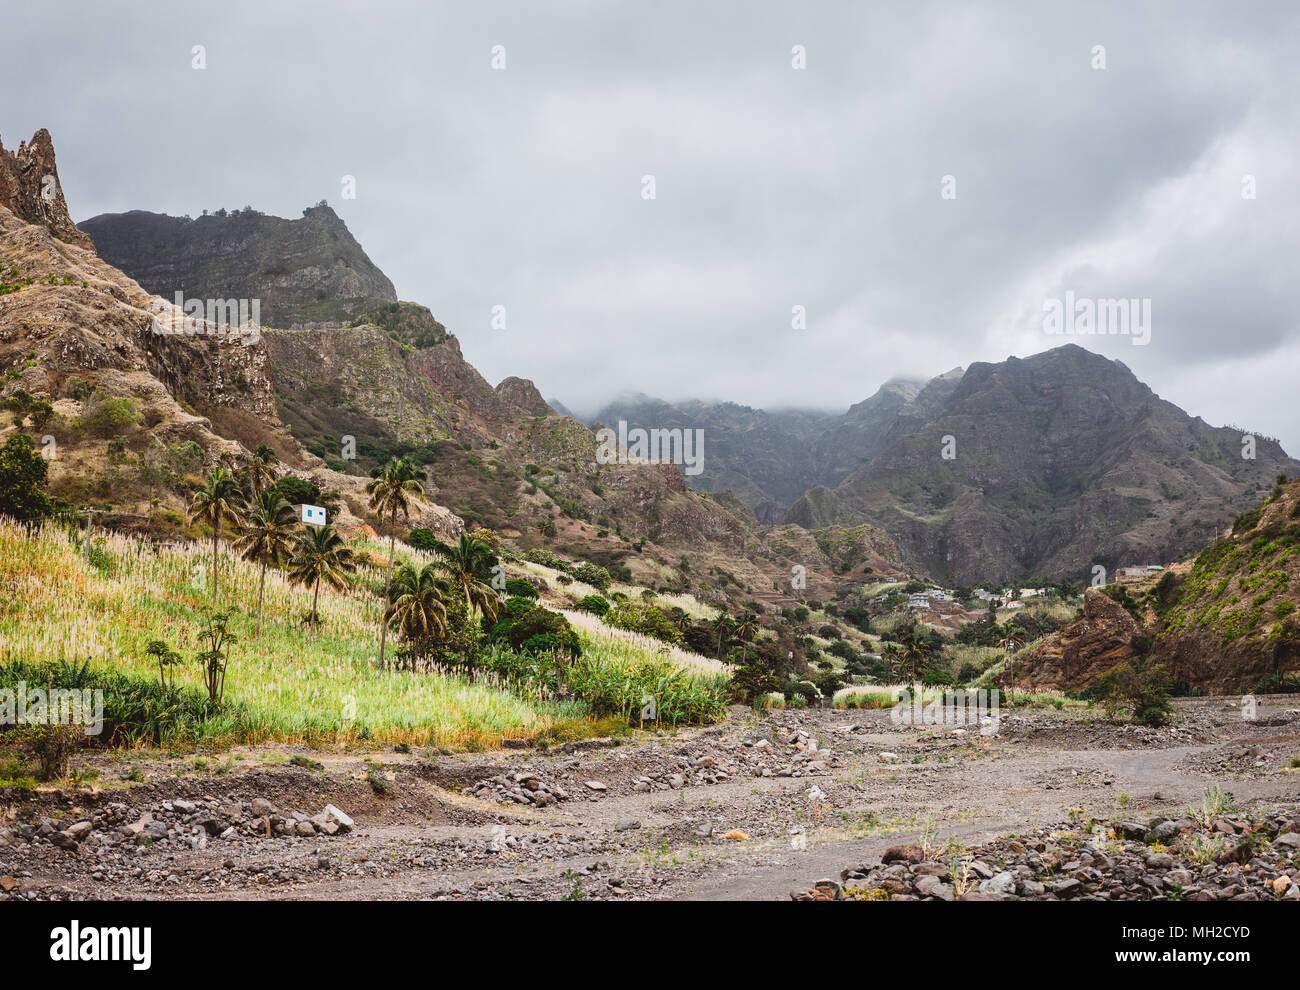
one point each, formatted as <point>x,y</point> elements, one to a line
<point>523,393</point>
<point>308,272</point>
<point>1044,449</point>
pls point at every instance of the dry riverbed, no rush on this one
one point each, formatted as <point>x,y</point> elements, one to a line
<point>757,807</point>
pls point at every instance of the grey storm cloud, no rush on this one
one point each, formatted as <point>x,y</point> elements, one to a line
<point>775,187</point>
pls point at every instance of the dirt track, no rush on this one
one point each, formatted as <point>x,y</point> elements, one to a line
<point>425,837</point>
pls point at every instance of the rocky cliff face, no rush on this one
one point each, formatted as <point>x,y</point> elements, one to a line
<point>1104,637</point>
<point>1045,467</point>
<point>30,189</point>
<point>124,399</point>
<point>304,272</point>
<point>134,415</point>
<point>359,381</point>
<point>94,323</point>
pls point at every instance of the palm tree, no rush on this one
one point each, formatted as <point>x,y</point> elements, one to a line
<point>220,501</point>
<point>1008,642</point>
<point>677,615</point>
<point>266,538</point>
<point>418,608</point>
<point>392,489</point>
<point>892,655</point>
<point>321,555</point>
<point>747,627</point>
<point>260,470</point>
<point>723,628</point>
<point>915,655</point>
<point>469,564</point>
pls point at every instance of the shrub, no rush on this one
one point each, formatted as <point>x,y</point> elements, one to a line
<point>858,617</point>
<point>752,682</point>
<point>107,416</point>
<point>297,491</point>
<point>516,606</point>
<point>519,588</point>
<point>1119,594</point>
<point>52,746</point>
<point>844,650</point>
<point>644,618</point>
<point>541,630</point>
<point>828,682</point>
<point>1139,688</point>
<point>594,604</point>
<point>540,555</point>
<point>23,474</point>
<point>76,388</point>
<point>592,574</point>
<point>799,691</point>
<point>423,538</point>
<point>137,709</point>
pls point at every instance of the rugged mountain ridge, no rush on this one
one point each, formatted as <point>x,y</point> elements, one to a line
<point>304,272</point>
<point>30,188</point>
<point>138,414</point>
<point>769,459</point>
<point>1046,467</point>
<point>1055,464</point>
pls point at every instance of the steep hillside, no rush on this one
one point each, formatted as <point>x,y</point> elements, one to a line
<point>136,416</point>
<point>76,333</point>
<point>1057,463</point>
<point>129,417</point>
<point>501,458</point>
<point>305,272</point>
<point>1225,621</point>
<point>1234,620</point>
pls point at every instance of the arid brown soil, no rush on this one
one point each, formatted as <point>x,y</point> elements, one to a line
<point>749,809</point>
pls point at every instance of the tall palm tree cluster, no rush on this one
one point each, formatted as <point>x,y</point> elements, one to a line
<point>423,599</point>
<point>263,529</point>
<point>727,631</point>
<point>243,506</point>
<point>418,597</point>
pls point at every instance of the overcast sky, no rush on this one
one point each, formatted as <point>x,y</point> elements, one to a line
<point>775,187</point>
